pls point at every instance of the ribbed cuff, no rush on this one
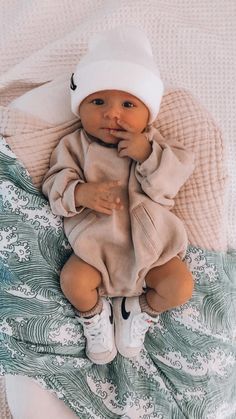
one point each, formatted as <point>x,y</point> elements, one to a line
<point>97,309</point>
<point>146,307</point>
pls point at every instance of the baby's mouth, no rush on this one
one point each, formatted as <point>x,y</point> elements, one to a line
<point>113,129</point>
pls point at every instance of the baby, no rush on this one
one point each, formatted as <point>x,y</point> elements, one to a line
<point>114,181</point>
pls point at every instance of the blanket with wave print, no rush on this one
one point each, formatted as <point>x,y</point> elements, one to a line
<point>187,368</point>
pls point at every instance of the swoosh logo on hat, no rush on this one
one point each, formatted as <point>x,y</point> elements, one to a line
<point>125,314</point>
<point>72,83</point>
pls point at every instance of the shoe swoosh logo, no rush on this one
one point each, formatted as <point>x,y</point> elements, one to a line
<point>111,317</point>
<point>125,314</point>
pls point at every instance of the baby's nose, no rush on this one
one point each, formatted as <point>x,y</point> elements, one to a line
<point>112,112</point>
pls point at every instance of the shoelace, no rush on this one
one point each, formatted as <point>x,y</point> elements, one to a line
<point>95,329</point>
<point>140,326</point>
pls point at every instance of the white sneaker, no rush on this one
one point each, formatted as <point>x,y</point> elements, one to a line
<point>99,333</point>
<point>131,325</point>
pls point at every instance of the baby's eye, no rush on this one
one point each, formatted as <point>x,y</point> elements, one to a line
<point>98,101</point>
<point>128,104</point>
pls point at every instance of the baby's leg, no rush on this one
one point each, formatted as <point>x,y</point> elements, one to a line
<point>79,283</point>
<point>169,285</point>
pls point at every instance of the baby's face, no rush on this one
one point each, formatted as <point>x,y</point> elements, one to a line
<point>101,111</point>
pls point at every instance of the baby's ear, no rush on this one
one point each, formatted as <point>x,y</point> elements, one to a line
<point>72,83</point>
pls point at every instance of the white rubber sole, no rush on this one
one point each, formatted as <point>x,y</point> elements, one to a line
<point>102,361</point>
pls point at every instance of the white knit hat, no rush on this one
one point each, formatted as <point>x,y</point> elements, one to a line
<point>118,59</point>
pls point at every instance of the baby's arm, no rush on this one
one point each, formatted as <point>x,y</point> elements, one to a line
<point>63,176</point>
<point>66,187</point>
<point>161,168</point>
<point>165,171</point>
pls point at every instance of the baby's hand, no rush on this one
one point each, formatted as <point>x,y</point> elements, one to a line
<point>133,145</point>
<point>99,196</point>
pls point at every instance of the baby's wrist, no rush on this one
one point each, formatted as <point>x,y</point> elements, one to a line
<point>147,149</point>
<point>79,194</point>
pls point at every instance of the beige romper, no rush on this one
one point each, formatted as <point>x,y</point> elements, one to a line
<point>125,245</point>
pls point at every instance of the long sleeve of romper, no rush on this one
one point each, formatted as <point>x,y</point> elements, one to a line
<point>64,175</point>
<point>165,171</point>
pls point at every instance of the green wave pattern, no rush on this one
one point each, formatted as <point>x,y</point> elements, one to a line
<point>187,368</point>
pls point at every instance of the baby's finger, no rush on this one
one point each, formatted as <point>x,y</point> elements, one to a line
<point>110,184</point>
<point>111,202</point>
<point>105,211</point>
<point>108,208</point>
<point>125,126</point>
<point>104,208</point>
<point>124,153</point>
<point>120,134</point>
<point>122,144</point>
<point>119,204</point>
<point>108,204</point>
